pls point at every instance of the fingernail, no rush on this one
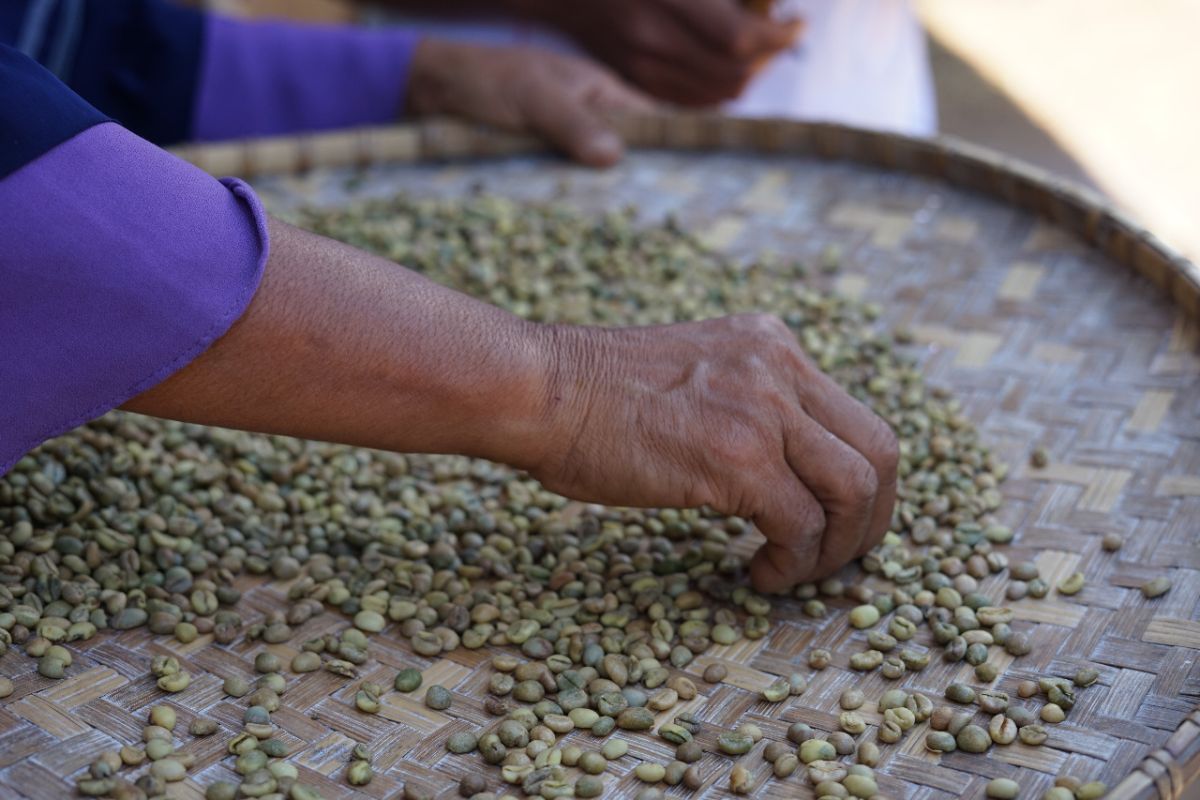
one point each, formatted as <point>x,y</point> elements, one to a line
<point>603,148</point>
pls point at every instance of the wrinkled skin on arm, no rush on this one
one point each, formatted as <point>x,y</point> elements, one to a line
<point>344,346</point>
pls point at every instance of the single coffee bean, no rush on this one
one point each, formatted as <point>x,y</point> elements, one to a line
<point>799,732</point>
<point>616,748</point>
<point>816,750</point>
<point>359,773</point>
<point>408,680</point>
<point>1072,584</point>
<point>1032,734</point>
<point>1002,789</point>
<point>306,662</point>
<point>960,693</point>
<point>589,786</point>
<point>842,742</point>
<point>1053,713</point>
<point>635,719</point>
<point>868,753</point>
<point>438,698</point>
<point>851,699</point>
<point>649,772</point>
<point>861,786</point>
<point>973,739</point>
<point>777,691</point>
<point>1002,730</point>
<point>740,780</point>
<point>1156,587</point>
<point>940,742</point>
<point>461,742</point>
<point>734,744</point>
<point>163,716</point>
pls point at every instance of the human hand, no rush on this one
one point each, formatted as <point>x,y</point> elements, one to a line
<point>728,413</point>
<point>561,98</point>
<point>687,52</point>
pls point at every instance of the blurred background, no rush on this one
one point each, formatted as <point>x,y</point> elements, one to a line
<point>1104,92</point>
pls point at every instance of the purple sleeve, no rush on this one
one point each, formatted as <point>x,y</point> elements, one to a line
<point>269,78</point>
<point>119,264</point>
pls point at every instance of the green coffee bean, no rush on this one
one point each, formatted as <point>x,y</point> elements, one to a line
<point>408,680</point>
<point>816,750</point>
<point>1156,587</point>
<point>1002,789</point>
<point>438,698</point>
<point>359,773</point>
<point>864,616</point>
<point>648,772</point>
<point>1072,584</point>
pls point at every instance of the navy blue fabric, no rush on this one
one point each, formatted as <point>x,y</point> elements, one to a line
<point>137,61</point>
<point>37,112</point>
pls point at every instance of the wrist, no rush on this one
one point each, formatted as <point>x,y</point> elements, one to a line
<point>425,90</point>
<point>574,362</point>
<point>491,406</point>
<point>521,413</point>
<point>442,71</point>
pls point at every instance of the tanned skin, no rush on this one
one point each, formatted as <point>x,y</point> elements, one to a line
<point>343,346</point>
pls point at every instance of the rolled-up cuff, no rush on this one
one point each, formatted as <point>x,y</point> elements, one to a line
<point>271,78</point>
<point>120,264</point>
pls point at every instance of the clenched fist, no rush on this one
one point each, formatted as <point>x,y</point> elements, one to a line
<point>728,413</point>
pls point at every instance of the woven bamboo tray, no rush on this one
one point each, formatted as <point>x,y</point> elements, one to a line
<point>1056,320</point>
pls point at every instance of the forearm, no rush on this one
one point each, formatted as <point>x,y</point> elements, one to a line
<point>264,78</point>
<point>344,346</point>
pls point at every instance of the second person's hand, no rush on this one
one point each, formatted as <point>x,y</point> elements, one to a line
<point>563,99</point>
<point>687,52</point>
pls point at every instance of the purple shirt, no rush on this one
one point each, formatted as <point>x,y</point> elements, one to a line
<point>119,264</point>
<point>270,78</point>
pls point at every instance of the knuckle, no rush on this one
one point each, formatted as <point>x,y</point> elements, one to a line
<point>810,523</point>
<point>768,322</point>
<point>858,484</point>
<point>739,446</point>
<point>883,447</point>
<point>762,327</point>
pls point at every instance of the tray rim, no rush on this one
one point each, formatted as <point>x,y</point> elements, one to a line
<point>1166,772</point>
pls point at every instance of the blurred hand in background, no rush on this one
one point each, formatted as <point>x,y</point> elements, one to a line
<point>686,52</point>
<point>563,99</point>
